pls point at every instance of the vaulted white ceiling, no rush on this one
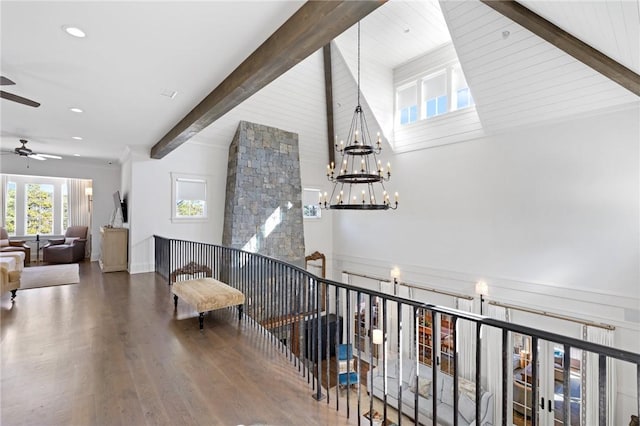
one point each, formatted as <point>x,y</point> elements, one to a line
<point>517,78</point>
<point>135,51</point>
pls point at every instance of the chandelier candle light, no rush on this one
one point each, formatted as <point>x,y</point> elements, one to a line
<point>359,166</point>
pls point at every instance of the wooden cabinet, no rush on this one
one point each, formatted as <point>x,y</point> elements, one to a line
<point>113,249</point>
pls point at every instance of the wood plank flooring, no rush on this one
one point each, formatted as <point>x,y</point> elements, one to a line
<point>112,351</point>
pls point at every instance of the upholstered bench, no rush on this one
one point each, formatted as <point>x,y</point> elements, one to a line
<point>207,294</point>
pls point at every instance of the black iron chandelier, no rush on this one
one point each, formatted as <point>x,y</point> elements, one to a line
<point>359,168</point>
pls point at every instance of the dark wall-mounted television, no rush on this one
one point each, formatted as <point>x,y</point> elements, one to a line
<point>119,203</point>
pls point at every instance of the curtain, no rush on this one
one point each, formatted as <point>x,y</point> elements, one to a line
<point>603,337</point>
<point>79,208</point>
<point>78,202</point>
<point>466,334</point>
<point>391,319</point>
<point>3,194</point>
<point>493,363</point>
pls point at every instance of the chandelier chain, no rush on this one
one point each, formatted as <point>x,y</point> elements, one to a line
<point>358,62</point>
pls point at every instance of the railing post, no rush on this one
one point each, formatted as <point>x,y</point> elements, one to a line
<point>638,388</point>
<point>566,385</point>
<point>384,352</point>
<point>505,375</point>
<point>435,337</point>
<point>454,321</point>
<point>478,370</point>
<point>399,330</point>
<point>318,345</point>
<point>416,337</point>
<point>534,381</point>
<point>338,341</point>
<point>602,390</point>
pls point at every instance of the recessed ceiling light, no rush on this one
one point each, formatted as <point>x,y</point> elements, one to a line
<point>78,138</point>
<point>76,155</point>
<point>506,34</point>
<point>74,109</point>
<point>74,31</point>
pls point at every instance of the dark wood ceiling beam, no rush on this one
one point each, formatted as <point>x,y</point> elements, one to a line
<point>328,91</point>
<point>571,45</point>
<point>314,25</point>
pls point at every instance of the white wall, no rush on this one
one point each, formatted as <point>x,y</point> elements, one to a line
<point>150,200</point>
<point>105,177</point>
<point>556,205</point>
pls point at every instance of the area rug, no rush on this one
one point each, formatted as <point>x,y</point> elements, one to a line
<point>49,275</point>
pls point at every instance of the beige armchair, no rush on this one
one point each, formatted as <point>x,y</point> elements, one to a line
<point>14,245</point>
<point>69,249</point>
<point>9,281</point>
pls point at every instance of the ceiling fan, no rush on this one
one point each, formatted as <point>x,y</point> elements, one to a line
<point>4,81</point>
<point>23,151</point>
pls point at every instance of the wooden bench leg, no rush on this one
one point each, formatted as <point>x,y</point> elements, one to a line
<point>201,320</point>
<point>175,301</point>
<point>240,309</point>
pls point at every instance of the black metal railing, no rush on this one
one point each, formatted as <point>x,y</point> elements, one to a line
<point>309,317</point>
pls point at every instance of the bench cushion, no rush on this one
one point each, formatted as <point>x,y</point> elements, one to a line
<point>207,294</point>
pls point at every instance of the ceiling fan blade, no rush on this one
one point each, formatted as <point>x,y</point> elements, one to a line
<point>18,99</point>
<point>4,81</point>
<point>37,157</point>
<point>55,157</point>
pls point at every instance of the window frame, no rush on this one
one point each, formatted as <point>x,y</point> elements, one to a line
<point>317,195</point>
<point>176,178</point>
<point>21,208</point>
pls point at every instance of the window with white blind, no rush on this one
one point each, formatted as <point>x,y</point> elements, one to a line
<point>189,197</point>
<point>432,94</point>
<point>407,102</point>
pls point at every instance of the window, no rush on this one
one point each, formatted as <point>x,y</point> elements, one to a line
<point>407,104</point>
<point>189,197</point>
<point>311,203</point>
<point>38,205</point>
<point>39,209</point>
<point>65,207</point>
<point>432,95</point>
<point>10,208</point>
<point>460,90</point>
<point>425,341</point>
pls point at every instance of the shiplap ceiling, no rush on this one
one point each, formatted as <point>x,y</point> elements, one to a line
<point>136,50</point>
<point>396,33</point>
<point>521,79</point>
<point>611,26</point>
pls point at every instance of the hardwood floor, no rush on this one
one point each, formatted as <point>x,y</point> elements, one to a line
<point>111,351</point>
